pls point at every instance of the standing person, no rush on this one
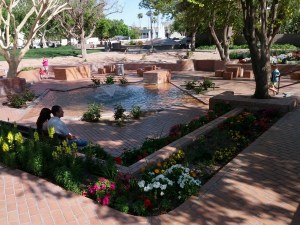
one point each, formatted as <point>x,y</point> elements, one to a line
<point>42,121</point>
<point>274,80</point>
<point>45,66</point>
<point>61,128</point>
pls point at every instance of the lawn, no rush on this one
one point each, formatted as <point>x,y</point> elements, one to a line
<point>53,52</point>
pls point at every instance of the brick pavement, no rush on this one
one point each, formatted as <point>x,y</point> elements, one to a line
<point>260,186</point>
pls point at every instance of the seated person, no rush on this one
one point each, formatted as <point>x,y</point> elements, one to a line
<point>42,121</point>
<point>61,128</point>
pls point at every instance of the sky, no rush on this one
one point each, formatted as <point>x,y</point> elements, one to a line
<point>130,11</point>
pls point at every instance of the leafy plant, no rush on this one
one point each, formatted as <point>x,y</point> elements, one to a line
<point>16,100</point>
<point>93,113</point>
<point>119,112</point>
<point>28,95</point>
<point>96,81</point>
<point>189,85</point>
<point>207,83</point>
<point>136,111</point>
<point>109,80</point>
<point>123,80</point>
<point>27,68</point>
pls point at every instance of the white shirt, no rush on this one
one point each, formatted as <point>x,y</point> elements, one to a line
<point>58,125</point>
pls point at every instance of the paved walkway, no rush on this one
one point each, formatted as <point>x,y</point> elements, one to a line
<point>260,186</point>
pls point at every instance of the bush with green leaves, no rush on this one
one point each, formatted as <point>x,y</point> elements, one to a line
<point>28,68</point>
<point>96,81</point>
<point>136,111</point>
<point>28,95</point>
<point>109,80</point>
<point>119,112</point>
<point>123,80</point>
<point>16,100</point>
<point>93,113</point>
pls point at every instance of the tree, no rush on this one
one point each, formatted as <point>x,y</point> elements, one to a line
<point>262,20</point>
<point>12,26</point>
<point>107,28</point>
<point>80,21</point>
<point>140,17</point>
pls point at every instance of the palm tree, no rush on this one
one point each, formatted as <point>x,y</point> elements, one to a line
<point>140,17</point>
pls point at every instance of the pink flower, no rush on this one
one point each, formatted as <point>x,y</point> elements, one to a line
<point>112,186</point>
<point>92,190</point>
<point>105,200</point>
<point>102,179</point>
<point>98,200</point>
<point>103,186</point>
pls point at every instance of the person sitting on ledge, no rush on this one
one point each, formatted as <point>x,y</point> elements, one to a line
<point>61,128</point>
<point>42,121</point>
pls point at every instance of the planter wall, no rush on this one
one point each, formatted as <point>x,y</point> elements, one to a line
<point>31,76</point>
<point>12,85</point>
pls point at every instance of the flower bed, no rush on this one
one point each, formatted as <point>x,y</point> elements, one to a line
<point>159,188</point>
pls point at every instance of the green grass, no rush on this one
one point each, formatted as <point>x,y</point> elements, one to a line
<point>53,52</point>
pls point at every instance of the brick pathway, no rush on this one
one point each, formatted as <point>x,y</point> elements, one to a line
<point>260,186</point>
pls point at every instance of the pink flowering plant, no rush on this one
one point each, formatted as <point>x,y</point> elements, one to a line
<point>102,191</point>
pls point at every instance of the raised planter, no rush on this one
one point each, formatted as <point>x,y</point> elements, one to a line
<point>12,85</point>
<point>31,76</point>
<point>185,65</point>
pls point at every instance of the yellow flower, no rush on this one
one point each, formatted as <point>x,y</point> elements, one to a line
<point>158,165</point>
<point>74,146</point>
<point>5,147</point>
<point>36,136</point>
<point>19,138</point>
<point>156,171</point>
<point>51,132</point>
<point>10,137</point>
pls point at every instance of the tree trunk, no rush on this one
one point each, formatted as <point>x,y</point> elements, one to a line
<point>193,41</point>
<point>217,43</point>
<point>43,40</point>
<point>83,46</point>
<point>13,67</point>
<point>261,69</point>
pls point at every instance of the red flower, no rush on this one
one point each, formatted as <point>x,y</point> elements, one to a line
<point>148,204</point>
<point>118,160</point>
<point>84,193</point>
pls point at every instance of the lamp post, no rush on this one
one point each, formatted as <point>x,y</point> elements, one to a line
<point>150,14</point>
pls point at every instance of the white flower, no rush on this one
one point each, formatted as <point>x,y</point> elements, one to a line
<point>163,186</point>
<point>156,184</point>
<point>161,193</point>
<point>141,183</point>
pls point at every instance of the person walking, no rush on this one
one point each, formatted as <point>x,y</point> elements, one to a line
<point>45,64</point>
<point>60,127</point>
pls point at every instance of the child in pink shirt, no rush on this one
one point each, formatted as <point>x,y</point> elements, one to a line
<point>45,66</point>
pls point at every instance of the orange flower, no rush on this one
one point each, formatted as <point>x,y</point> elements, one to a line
<point>158,165</point>
<point>156,171</point>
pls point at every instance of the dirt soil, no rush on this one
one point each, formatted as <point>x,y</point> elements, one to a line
<point>102,58</point>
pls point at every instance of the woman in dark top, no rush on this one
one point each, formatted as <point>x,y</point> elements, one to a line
<point>41,123</point>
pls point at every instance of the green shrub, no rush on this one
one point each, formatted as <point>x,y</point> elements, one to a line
<point>64,177</point>
<point>207,83</point>
<point>109,80</point>
<point>123,80</point>
<point>136,112</point>
<point>96,81</point>
<point>95,151</point>
<point>119,112</point>
<point>189,85</point>
<point>28,95</point>
<point>27,68</point>
<point>16,100</point>
<point>93,113</point>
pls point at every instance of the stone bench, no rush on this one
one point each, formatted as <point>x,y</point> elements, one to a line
<point>295,75</point>
<point>157,76</point>
<point>72,72</point>
<point>248,74</point>
<point>219,73</point>
<point>236,71</point>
